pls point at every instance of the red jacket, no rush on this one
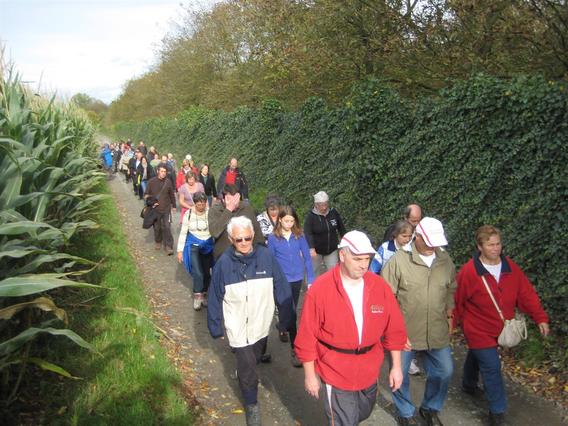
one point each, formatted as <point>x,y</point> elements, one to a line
<point>327,316</point>
<point>476,312</point>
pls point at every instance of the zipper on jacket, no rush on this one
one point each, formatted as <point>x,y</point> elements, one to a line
<point>246,312</point>
<point>428,311</point>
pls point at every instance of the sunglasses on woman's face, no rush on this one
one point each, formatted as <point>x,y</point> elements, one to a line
<point>240,240</point>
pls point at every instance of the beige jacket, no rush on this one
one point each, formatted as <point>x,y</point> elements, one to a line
<point>424,295</point>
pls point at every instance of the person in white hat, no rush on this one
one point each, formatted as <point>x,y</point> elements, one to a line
<point>323,227</point>
<point>423,281</point>
<point>349,318</point>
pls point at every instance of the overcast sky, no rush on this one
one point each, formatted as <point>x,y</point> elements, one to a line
<point>85,46</point>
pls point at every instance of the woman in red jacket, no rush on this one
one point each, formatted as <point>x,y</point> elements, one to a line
<point>480,320</point>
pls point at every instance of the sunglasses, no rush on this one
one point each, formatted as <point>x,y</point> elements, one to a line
<point>240,240</point>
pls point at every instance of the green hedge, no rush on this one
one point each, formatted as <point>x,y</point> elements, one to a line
<point>484,151</point>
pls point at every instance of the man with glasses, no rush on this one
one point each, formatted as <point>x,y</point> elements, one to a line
<point>246,282</point>
<point>221,213</point>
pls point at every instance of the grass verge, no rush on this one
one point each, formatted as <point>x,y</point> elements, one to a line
<point>130,381</point>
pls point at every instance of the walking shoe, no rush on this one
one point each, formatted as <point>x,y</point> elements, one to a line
<point>414,370</point>
<point>295,361</point>
<point>204,300</point>
<point>169,251</point>
<point>283,336</point>
<point>496,419</point>
<point>252,412</point>
<point>266,358</point>
<point>158,246</point>
<point>474,391</point>
<point>431,417</point>
<point>197,301</point>
<point>406,421</point>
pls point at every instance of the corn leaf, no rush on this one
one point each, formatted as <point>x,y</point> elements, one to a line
<point>24,285</point>
<point>43,303</point>
<point>48,366</point>
<point>12,345</point>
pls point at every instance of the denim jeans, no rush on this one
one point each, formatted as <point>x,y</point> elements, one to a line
<point>439,366</point>
<point>486,362</point>
<point>200,270</point>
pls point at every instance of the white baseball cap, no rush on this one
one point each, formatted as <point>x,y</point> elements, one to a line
<point>357,242</point>
<point>432,232</point>
<point>188,157</point>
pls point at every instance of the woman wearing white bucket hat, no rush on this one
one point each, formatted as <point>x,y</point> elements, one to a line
<point>323,228</point>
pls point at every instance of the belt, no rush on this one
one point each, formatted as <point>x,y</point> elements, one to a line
<point>358,351</point>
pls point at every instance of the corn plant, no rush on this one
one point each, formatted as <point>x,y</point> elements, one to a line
<point>47,180</point>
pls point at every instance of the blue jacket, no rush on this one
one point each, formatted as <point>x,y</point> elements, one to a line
<point>242,295</point>
<point>293,255</point>
<point>384,252</point>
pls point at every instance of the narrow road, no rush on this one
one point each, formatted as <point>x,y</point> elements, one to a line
<point>281,393</point>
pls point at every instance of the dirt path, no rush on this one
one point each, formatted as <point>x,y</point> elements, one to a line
<point>208,365</point>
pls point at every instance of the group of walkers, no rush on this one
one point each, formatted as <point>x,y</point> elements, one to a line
<point>401,301</point>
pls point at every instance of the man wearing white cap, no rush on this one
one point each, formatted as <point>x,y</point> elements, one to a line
<point>323,227</point>
<point>349,317</point>
<point>423,281</point>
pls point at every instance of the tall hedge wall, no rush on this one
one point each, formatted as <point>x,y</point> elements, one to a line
<point>484,151</point>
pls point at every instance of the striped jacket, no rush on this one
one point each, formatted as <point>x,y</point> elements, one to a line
<point>242,295</point>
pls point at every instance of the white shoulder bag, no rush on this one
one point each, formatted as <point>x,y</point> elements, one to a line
<point>514,330</point>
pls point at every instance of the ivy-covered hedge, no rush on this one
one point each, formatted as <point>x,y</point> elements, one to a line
<point>484,151</point>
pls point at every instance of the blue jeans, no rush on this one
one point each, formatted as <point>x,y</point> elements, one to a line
<point>200,270</point>
<point>439,367</point>
<point>487,363</point>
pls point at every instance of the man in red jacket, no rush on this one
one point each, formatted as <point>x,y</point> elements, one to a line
<point>349,317</point>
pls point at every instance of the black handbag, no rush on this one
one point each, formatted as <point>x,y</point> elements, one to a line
<point>148,207</point>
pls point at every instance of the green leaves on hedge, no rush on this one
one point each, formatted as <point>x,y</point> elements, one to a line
<point>483,151</point>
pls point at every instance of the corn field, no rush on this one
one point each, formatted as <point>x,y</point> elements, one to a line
<point>48,173</point>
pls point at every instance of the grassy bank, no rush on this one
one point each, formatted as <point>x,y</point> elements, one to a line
<point>130,381</point>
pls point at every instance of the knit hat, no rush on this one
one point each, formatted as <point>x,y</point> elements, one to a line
<point>321,197</point>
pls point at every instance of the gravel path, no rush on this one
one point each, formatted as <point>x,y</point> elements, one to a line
<point>208,365</point>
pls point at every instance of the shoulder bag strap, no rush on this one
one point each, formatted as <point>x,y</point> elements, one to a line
<point>492,298</point>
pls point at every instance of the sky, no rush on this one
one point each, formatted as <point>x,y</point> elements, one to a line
<point>82,46</point>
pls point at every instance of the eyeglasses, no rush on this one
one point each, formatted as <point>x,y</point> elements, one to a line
<point>240,240</point>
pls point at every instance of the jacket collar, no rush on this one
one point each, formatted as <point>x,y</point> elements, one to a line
<point>391,245</point>
<point>480,269</point>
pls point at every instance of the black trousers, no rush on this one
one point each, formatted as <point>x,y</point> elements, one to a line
<point>163,231</point>
<point>348,408</point>
<point>296,287</point>
<point>247,359</point>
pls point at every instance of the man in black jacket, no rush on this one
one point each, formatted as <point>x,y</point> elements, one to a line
<point>323,228</point>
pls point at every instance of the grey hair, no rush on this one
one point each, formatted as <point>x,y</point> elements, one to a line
<point>239,222</point>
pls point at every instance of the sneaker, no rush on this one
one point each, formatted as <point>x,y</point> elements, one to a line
<point>414,370</point>
<point>283,336</point>
<point>252,412</point>
<point>266,358</point>
<point>158,246</point>
<point>197,301</point>
<point>169,251</point>
<point>204,300</point>
<point>496,419</point>
<point>406,421</point>
<point>295,361</point>
<point>431,417</point>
